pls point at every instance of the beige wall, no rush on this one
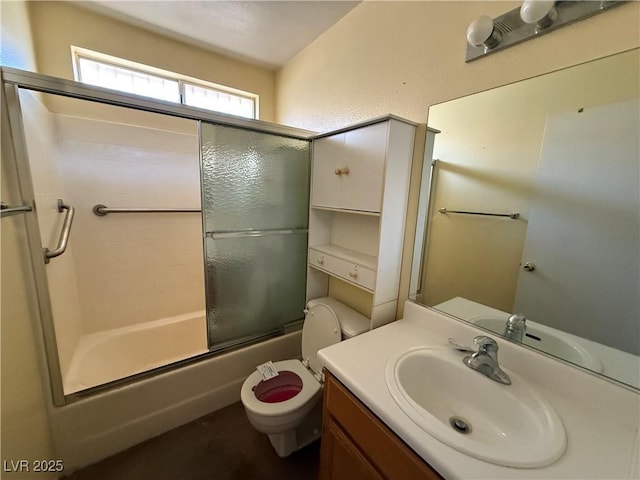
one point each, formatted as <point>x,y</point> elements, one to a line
<point>16,48</point>
<point>401,57</point>
<point>25,427</point>
<point>58,25</point>
<point>25,433</point>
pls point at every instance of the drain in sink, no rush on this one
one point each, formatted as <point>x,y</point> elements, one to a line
<point>460,425</point>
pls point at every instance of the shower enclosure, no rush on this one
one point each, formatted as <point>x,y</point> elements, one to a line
<point>256,214</point>
<point>159,234</point>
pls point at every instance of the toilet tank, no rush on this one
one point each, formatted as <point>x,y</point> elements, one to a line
<point>352,323</point>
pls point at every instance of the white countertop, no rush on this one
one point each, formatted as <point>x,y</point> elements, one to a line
<point>601,419</point>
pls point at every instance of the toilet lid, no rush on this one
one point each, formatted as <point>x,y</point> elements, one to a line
<point>321,329</point>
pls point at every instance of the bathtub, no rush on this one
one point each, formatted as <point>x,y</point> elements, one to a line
<point>109,355</point>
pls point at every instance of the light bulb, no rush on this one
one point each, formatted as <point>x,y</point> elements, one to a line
<point>540,12</point>
<point>481,32</point>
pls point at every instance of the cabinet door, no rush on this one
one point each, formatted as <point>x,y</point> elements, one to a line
<point>341,459</point>
<point>352,430</point>
<point>348,169</point>
<point>365,151</point>
<point>328,155</point>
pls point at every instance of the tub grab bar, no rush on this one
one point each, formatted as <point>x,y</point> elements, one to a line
<point>64,234</point>
<point>102,210</point>
<point>6,210</point>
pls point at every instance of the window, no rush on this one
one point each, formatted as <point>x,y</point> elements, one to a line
<point>126,80</point>
<point>111,72</point>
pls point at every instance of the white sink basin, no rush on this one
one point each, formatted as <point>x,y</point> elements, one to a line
<point>546,339</point>
<point>510,425</point>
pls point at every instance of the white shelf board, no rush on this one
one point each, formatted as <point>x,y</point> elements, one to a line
<point>346,210</point>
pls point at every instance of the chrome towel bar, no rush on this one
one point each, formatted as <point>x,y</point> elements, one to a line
<point>6,210</point>
<point>510,215</point>
<point>64,234</point>
<point>102,210</point>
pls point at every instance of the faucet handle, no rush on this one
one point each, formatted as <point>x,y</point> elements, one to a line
<point>460,348</point>
<point>485,344</point>
<point>517,320</point>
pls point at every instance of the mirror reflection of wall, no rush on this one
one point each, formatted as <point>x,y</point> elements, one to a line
<point>562,150</point>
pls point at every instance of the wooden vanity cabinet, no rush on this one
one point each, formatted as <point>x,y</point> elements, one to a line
<point>356,445</point>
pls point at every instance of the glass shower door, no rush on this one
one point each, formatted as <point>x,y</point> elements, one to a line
<point>255,191</point>
<point>125,295</point>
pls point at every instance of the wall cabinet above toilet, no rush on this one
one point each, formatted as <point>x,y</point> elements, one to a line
<point>348,169</point>
<point>359,192</point>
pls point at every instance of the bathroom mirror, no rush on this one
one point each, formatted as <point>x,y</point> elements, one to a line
<point>530,204</point>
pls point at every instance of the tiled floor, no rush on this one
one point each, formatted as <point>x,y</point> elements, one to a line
<point>220,446</point>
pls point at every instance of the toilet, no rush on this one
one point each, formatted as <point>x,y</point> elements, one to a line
<point>287,407</point>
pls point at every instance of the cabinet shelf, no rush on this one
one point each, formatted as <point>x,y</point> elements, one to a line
<point>346,210</point>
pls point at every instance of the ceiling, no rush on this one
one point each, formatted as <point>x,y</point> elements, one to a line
<point>264,32</point>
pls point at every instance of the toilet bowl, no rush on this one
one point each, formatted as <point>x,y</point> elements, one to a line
<point>287,407</point>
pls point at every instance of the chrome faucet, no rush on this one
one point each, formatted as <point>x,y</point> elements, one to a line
<point>515,327</point>
<point>485,360</point>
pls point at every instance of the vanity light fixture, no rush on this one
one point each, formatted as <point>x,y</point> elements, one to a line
<point>542,13</point>
<point>483,32</point>
<point>534,18</point>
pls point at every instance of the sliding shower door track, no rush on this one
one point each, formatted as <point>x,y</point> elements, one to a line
<point>68,88</point>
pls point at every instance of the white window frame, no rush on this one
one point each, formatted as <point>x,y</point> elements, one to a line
<point>77,53</point>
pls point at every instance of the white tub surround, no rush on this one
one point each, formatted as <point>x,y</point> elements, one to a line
<point>601,419</point>
<point>110,355</point>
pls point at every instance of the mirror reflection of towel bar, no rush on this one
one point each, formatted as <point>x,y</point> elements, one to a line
<point>510,215</point>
